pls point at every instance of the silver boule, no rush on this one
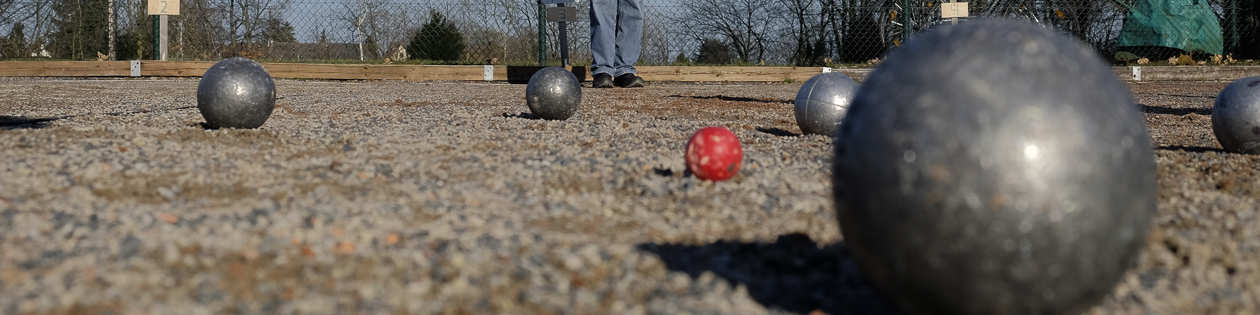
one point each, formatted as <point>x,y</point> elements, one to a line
<point>993,167</point>
<point>822,101</point>
<point>553,93</point>
<point>236,93</point>
<point>1236,116</point>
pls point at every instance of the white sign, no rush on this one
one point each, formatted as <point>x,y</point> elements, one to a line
<point>954,10</point>
<point>163,7</point>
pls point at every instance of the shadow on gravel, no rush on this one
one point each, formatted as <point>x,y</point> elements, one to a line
<point>732,99</point>
<point>14,122</point>
<point>1175,111</point>
<point>524,115</point>
<point>778,132</point>
<point>791,274</point>
<point>670,173</point>
<point>1189,149</point>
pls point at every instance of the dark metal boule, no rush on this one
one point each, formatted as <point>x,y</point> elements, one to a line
<point>822,101</point>
<point>553,93</point>
<point>1236,116</point>
<point>993,167</point>
<point>236,93</point>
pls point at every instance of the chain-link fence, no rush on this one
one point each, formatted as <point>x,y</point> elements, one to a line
<point>682,32</point>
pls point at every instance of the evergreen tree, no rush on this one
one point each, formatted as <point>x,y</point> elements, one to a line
<point>714,52</point>
<point>80,29</point>
<point>278,30</point>
<point>437,39</point>
<point>14,46</point>
<point>682,59</point>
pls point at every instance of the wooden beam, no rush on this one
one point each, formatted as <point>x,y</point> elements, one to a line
<point>1199,73</point>
<point>153,68</point>
<point>505,73</point>
<point>65,68</point>
<point>759,74</point>
<point>376,72</point>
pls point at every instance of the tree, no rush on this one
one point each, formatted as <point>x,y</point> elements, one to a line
<point>378,25</point>
<point>745,25</point>
<point>14,45</point>
<point>247,20</point>
<point>80,29</point>
<point>714,52</point>
<point>278,30</point>
<point>437,39</point>
<point>861,39</point>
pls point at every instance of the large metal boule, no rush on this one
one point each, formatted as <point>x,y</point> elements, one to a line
<point>822,101</point>
<point>1236,116</point>
<point>993,167</point>
<point>553,93</point>
<point>236,93</point>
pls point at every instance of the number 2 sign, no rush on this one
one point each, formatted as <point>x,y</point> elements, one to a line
<point>163,7</point>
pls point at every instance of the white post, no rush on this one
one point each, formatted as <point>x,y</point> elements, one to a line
<point>163,44</point>
<point>953,20</point>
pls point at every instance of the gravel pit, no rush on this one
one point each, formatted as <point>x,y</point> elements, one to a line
<point>449,197</point>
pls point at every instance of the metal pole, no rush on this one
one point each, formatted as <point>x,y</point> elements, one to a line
<point>564,42</point>
<point>112,30</point>
<point>156,37</point>
<point>542,34</point>
<point>1233,27</point>
<point>905,21</point>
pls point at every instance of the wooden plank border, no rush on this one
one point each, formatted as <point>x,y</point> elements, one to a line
<point>390,72</point>
<point>65,68</point>
<point>513,74</point>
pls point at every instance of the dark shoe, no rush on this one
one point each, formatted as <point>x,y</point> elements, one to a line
<point>629,80</point>
<point>603,81</point>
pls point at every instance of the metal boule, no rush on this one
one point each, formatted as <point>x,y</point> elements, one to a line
<point>1236,116</point>
<point>553,93</point>
<point>822,101</point>
<point>236,93</point>
<point>993,167</point>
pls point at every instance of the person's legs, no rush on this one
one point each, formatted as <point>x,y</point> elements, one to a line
<point>629,36</point>
<point>603,36</point>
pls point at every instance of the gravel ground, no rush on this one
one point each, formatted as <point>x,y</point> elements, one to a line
<point>447,197</point>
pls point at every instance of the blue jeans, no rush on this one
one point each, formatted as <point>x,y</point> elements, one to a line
<point>616,36</point>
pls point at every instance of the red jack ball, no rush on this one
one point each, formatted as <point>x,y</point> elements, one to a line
<point>714,153</point>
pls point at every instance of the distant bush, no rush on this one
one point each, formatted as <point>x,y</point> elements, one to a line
<point>714,51</point>
<point>682,60</point>
<point>437,39</point>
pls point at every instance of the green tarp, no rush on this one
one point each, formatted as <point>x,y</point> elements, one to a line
<point>1188,25</point>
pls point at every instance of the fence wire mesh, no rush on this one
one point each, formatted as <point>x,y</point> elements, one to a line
<point>681,32</point>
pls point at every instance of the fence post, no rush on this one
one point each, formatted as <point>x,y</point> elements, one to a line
<point>905,21</point>
<point>156,37</point>
<point>542,34</point>
<point>112,30</point>
<point>1233,27</point>
<point>564,42</point>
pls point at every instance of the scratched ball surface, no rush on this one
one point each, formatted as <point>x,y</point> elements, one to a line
<point>714,153</point>
<point>1236,116</point>
<point>236,93</point>
<point>993,167</point>
<point>553,93</point>
<point>822,101</point>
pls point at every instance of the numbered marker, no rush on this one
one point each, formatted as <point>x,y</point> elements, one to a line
<point>163,7</point>
<point>954,10</point>
<point>562,14</point>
